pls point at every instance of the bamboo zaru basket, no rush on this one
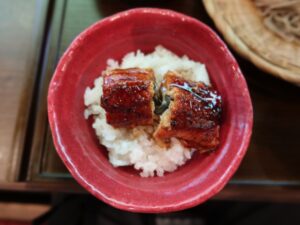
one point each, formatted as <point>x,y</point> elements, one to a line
<point>267,32</point>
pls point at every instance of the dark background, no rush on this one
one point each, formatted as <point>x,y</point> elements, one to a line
<point>34,34</point>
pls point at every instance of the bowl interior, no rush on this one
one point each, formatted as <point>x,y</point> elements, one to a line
<point>76,141</point>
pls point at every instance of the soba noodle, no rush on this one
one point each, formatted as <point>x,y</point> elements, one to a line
<point>282,17</point>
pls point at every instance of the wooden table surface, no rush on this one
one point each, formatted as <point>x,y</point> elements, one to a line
<point>21,29</point>
<point>270,170</point>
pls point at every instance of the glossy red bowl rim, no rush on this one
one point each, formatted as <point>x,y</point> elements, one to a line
<point>191,201</point>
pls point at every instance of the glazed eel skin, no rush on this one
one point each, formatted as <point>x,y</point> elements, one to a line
<point>189,111</point>
<point>128,97</point>
<point>193,114</point>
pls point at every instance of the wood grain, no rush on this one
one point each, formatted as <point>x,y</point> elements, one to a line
<point>39,145</point>
<point>21,29</point>
<point>23,212</point>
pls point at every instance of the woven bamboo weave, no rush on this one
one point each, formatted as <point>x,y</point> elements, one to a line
<point>242,25</point>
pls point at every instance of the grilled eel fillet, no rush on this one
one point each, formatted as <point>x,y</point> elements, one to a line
<point>128,97</point>
<point>193,115</point>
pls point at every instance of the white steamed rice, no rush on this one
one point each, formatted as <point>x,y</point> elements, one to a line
<point>136,146</point>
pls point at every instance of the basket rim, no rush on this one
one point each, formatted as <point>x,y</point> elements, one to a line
<point>241,47</point>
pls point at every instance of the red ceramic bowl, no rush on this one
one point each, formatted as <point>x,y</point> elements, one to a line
<point>76,143</point>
